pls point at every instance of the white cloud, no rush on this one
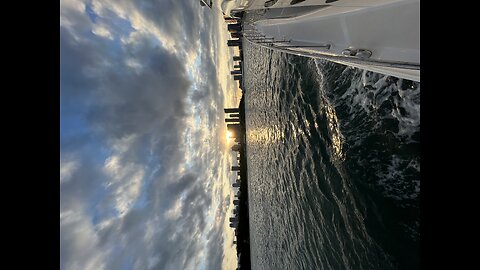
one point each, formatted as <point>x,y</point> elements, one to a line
<point>102,30</point>
<point>134,64</point>
<point>79,239</point>
<point>175,211</point>
<point>67,169</point>
<point>126,182</point>
<point>127,10</point>
<point>68,217</point>
<point>112,167</point>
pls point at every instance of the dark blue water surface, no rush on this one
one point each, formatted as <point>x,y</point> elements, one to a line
<point>334,165</point>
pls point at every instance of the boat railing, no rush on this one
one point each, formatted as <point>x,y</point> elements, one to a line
<point>287,46</point>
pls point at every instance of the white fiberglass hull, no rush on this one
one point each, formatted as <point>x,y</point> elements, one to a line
<point>389,30</point>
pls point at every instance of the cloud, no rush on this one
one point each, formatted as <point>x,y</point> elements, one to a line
<point>78,239</point>
<point>67,168</point>
<point>102,31</point>
<point>140,97</point>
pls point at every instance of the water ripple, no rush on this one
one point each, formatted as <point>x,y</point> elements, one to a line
<point>333,165</point>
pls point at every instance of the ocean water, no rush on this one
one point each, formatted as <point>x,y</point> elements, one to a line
<point>334,165</point>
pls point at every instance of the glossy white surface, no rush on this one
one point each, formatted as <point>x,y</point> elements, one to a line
<point>389,29</point>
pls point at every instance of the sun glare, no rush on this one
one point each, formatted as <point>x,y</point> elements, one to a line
<point>229,135</point>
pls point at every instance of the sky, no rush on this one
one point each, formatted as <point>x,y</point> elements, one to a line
<point>144,159</point>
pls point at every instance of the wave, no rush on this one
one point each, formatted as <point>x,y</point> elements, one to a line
<point>379,119</point>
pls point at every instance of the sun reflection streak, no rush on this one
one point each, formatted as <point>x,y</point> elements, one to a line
<point>334,126</point>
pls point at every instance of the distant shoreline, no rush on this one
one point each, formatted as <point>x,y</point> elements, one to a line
<point>243,229</point>
<point>239,222</point>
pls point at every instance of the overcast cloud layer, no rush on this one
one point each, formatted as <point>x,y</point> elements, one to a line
<point>144,165</point>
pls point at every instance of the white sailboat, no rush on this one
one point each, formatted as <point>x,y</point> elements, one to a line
<point>378,35</point>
